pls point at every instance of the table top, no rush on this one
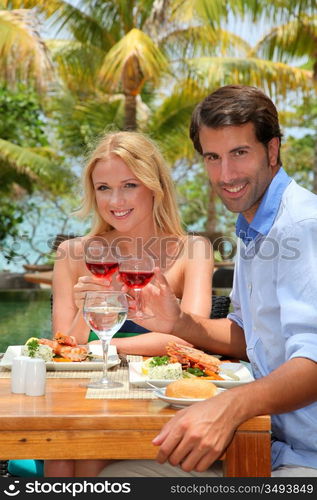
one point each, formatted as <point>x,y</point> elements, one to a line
<point>64,424</point>
<point>64,406</point>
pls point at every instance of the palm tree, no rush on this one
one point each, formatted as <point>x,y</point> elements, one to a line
<point>24,57</point>
<point>297,38</point>
<point>146,63</point>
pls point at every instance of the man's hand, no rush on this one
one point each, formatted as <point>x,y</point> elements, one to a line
<point>159,299</point>
<point>197,436</point>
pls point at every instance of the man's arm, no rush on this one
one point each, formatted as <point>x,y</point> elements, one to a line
<point>198,435</point>
<point>220,336</point>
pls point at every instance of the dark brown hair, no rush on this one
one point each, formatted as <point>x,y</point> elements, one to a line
<point>237,105</point>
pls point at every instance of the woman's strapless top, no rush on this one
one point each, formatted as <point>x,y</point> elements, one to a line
<point>128,329</point>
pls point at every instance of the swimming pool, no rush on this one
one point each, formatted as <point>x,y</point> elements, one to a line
<point>23,314</point>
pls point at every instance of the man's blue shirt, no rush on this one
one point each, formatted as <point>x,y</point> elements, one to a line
<point>274,297</point>
<point>267,211</point>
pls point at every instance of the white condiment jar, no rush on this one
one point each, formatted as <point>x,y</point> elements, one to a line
<point>18,370</point>
<point>35,377</point>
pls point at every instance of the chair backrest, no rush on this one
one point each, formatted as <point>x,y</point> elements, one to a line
<point>220,306</point>
<point>223,277</point>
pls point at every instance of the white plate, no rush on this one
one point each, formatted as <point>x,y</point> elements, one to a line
<point>94,364</point>
<point>178,402</point>
<point>240,375</point>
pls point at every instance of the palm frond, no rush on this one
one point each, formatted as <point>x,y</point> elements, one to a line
<point>169,122</point>
<point>295,39</point>
<point>82,121</point>
<point>214,12</point>
<point>273,77</point>
<point>202,40</point>
<point>77,64</point>
<point>37,167</point>
<point>24,55</point>
<point>134,57</point>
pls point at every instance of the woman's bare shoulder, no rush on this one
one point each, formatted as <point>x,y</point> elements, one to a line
<point>77,243</point>
<point>197,242</point>
<point>72,250</point>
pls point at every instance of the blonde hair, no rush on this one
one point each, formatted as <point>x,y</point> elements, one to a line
<point>143,158</point>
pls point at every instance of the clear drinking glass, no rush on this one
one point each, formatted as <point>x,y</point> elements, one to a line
<point>105,312</point>
<point>136,273</point>
<point>101,259</point>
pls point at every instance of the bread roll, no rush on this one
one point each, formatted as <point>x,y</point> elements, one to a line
<point>191,389</point>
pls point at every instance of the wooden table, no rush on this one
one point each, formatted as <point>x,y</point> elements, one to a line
<point>63,424</point>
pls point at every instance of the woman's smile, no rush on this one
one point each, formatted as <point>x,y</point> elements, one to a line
<point>121,214</point>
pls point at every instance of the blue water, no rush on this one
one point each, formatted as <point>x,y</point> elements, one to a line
<point>24,314</point>
<point>37,234</point>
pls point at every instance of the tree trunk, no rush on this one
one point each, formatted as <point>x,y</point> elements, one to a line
<point>130,122</point>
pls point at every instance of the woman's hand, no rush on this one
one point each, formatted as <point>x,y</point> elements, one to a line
<point>88,284</point>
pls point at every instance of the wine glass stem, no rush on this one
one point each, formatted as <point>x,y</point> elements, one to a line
<point>105,345</point>
<point>138,300</point>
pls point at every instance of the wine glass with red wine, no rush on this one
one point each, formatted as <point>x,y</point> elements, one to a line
<point>101,259</point>
<point>136,273</point>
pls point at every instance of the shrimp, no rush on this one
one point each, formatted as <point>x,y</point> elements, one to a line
<point>65,339</point>
<point>72,353</point>
<point>64,350</point>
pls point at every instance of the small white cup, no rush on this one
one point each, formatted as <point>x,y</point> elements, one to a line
<point>18,370</point>
<point>35,377</point>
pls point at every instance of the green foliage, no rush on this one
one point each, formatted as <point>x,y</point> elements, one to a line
<point>11,215</point>
<point>22,120</point>
<point>79,122</point>
<point>298,158</point>
<point>193,198</point>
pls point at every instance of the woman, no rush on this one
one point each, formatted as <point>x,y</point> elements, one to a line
<point>129,191</point>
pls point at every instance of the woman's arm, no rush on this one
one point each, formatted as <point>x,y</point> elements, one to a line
<point>67,317</point>
<point>146,344</point>
<point>198,265</point>
<point>69,288</point>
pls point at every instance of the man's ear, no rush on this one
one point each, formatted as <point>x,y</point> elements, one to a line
<point>273,149</point>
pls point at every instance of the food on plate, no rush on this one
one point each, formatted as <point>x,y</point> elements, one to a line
<point>190,357</point>
<point>169,371</point>
<point>160,368</point>
<point>188,363</point>
<point>34,349</point>
<point>65,339</point>
<point>64,348</point>
<point>191,389</point>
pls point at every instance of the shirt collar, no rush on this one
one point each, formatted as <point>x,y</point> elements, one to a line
<point>267,210</point>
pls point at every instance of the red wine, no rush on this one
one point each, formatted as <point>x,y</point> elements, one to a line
<point>102,269</point>
<point>136,279</point>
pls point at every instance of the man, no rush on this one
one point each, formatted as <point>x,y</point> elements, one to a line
<point>274,296</point>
